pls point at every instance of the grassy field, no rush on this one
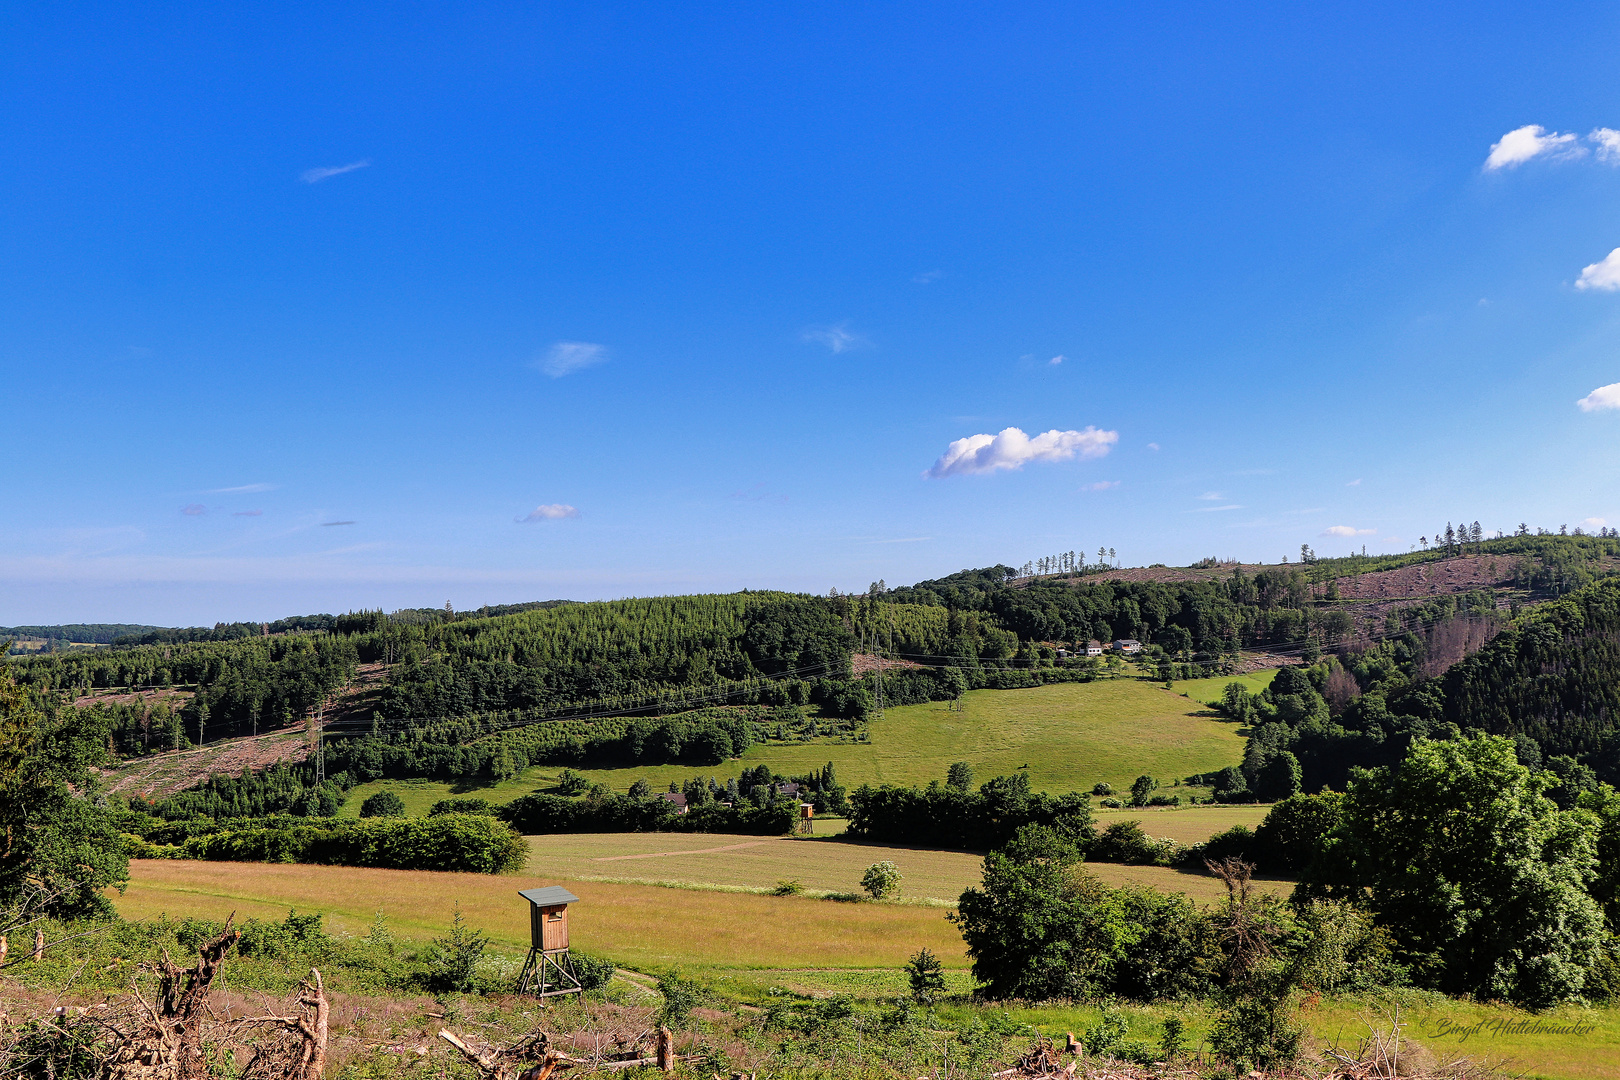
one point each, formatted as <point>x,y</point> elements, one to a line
<point>753,862</point>
<point>1070,735</point>
<point>827,865</point>
<point>635,925</point>
<point>1188,824</point>
<point>743,944</point>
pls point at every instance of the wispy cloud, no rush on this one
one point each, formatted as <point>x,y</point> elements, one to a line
<point>837,338</point>
<point>1212,496</point>
<point>1531,141</point>
<point>1604,397</point>
<point>1153,446</point>
<point>928,277</point>
<point>329,524</point>
<point>548,512</point>
<point>194,510</point>
<point>1347,530</point>
<point>248,513</point>
<point>1594,523</point>
<point>315,176</point>
<point>1101,485</point>
<point>758,493</point>
<point>1603,276</point>
<point>1058,359</point>
<point>1216,509</point>
<point>245,489</point>
<point>1012,449</point>
<point>567,357</point>
<point>902,540</point>
<point>1607,141</point>
<point>1354,483</point>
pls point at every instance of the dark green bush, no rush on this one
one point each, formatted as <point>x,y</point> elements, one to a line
<point>382,804</point>
<point>593,972</point>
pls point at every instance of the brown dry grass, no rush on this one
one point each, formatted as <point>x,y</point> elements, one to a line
<point>639,925</point>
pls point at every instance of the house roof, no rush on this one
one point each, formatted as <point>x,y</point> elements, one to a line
<point>550,896</point>
<point>675,797</point>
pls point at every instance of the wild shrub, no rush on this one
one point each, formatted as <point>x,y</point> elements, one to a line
<point>384,803</point>
<point>453,959</point>
<point>681,996</point>
<point>881,880</point>
<point>927,977</point>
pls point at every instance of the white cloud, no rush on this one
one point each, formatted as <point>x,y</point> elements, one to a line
<point>194,510</point>
<point>1594,523</point>
<point>1058,359</point>
<point>837,338</point>
<point>1211,496</point>
<point>1354,483</point>
<point>1217,509</point>
<point>567,357</point>
<point>1604,275</point>
<point>548,512</point>
<point>1153,446</point>
<point>1608,144</point>
<point>1101,485</point>
<point>1347,530</point>
<point>248,513</point>
<point>1012,449</point>
<point>1531,141</point>
<point>315,176</point>
<point>245,489</point>
<point>1604,397</point>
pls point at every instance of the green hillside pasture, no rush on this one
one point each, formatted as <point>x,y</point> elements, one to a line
<point>1209,691</point>
<point>1071,735</point>
<point>1187,824</point>
<point>635,925</point>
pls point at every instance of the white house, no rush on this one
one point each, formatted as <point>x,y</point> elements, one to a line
<point>1094,647</point>
<point>1128,645</point>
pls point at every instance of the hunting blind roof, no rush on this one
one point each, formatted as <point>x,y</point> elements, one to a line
<point>550,896</point>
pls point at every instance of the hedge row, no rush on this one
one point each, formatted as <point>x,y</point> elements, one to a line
<point>539,813</point>
<point>461,842</point>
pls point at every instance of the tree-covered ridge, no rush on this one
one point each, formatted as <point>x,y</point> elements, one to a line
<point>1551,679</point>
<point>1554,676</point>
<point>82,633</point>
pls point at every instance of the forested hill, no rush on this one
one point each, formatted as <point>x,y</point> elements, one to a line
<point>1554,677</point>
<point>1549,679</point>
<point>77,633</point>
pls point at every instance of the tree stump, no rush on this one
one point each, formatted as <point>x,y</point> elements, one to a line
<point>666,1050</point>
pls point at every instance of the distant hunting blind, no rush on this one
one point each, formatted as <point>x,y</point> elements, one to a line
<point>549,969</point>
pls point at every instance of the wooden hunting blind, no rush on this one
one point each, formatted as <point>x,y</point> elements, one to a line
<point>548,971</point>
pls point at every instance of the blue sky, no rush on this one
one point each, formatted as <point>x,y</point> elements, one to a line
<point>305,308</point>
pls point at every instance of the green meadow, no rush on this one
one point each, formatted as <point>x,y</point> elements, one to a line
<point>1069,736</point>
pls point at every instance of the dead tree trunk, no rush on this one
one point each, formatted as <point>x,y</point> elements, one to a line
<point>302,1057</point>
<point>507,1063</point>
<point>39,943</point>
<point>168,1045</point>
